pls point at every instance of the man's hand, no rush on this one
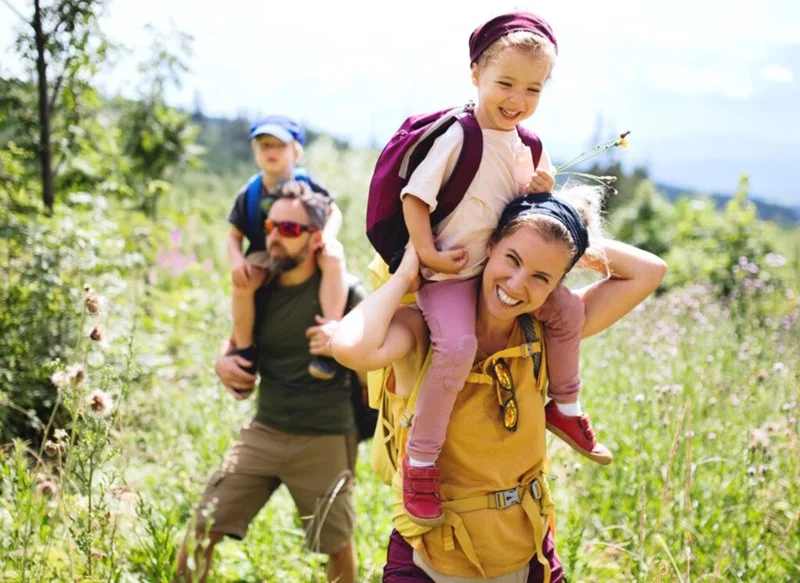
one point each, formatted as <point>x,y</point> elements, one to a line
<point>319,336</point>
<point>241,272</point>
<point>542,181</point>
<point>239,382</point>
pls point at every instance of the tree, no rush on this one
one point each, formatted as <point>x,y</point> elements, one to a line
<point>156,138</point>
<point>62,46</point>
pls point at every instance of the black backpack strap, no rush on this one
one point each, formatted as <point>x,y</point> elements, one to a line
<point>526,321</point>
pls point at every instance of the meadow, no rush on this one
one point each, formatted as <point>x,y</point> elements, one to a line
<point>112,318</point>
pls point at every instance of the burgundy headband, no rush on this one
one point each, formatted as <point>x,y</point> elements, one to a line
<point>486,34</point>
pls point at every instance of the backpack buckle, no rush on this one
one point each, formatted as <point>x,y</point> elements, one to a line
<point>405,418</point>
<point>506,498</point>
<point>536,489</point>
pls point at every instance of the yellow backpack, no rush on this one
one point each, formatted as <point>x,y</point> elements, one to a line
<point>388,443</point>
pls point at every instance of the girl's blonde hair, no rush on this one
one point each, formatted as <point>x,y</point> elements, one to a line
<point>537,46</point>
<point>588,201</point>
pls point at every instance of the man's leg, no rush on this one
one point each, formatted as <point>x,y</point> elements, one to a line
<point>342,566</point>
<point>234,495</point>
<point>320,480</point>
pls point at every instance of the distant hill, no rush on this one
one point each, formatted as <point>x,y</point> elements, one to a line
<point>768,211</point>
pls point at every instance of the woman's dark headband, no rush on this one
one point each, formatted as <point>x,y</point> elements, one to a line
<point>550,206</point>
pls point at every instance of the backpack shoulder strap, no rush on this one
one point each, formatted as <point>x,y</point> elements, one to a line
<point>469,159</point>
<point>252,198</point>
<point>533,142</point>
<point>529,329</point>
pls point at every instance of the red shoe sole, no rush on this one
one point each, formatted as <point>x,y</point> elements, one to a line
<point>432,522</point>
<point>598,458</point>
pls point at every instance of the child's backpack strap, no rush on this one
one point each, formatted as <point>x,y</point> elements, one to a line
<point>253,199</point>
<point>532,141</point>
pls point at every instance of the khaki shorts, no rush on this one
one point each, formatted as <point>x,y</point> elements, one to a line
<point>309,465</point>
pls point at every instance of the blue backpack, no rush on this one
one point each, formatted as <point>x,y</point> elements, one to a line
<point>253,200</point>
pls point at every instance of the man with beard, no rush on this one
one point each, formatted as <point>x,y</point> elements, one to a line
<point>303,432</point>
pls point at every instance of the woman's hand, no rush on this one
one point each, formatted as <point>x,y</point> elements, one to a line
<point>409,268</point>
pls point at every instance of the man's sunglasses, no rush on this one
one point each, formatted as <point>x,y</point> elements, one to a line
<point>509,407</point>
<point>288,228</point>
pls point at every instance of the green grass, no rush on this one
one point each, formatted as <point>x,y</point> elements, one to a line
<point>696,397</point>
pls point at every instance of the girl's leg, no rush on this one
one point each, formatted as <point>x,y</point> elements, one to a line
<point>449,310</point>
<point>563,317</point>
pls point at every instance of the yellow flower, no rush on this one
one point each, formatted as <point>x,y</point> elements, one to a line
<point>623,142</point>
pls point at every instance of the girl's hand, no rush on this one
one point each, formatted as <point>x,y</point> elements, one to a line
<point>542,181</point>
<point>451,261</point>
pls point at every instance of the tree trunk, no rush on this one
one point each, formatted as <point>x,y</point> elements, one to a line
<point>45,153</point>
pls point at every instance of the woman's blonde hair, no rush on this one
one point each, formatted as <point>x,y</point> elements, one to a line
<point>588,201</point>
<point>535,45</point>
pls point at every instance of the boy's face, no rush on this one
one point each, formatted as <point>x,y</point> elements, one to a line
<point>274,157</point>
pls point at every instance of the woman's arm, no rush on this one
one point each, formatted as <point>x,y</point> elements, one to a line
<point>635,274</point>
<point>374,334</point>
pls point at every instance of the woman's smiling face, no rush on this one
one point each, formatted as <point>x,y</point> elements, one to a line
<point>523,268</point>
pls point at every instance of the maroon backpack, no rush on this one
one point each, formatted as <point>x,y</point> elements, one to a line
<point>386,229</point>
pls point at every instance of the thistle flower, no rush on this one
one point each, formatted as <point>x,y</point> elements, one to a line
<point>100,404</point>
<point>97,334</point>
<point>60,434</point>
<point>76,374</point>
<point>47,488</point>
<point>93,303</point>
<point>51,448</point>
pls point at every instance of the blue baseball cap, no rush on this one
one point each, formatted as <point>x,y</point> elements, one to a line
<point>282,127</point>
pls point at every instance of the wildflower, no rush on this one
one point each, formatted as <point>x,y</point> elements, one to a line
<point>623,142</point>
<point>97,334</point>
<point>689,434</point>
<point>47,488</point>
<point>639,398</point>
<point>76,374</point>
<point>60,434</point>
<point>100,404</point>
<point>93,303</point>
<point>774,260</point>
<point>51,448</point>
<point>60,379</point>
<point>751,471</point>
<point>779,367</point>
<point>711,436</point>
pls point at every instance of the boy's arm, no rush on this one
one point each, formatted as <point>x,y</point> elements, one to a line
<point>334,223</point>
<point>234,245</point>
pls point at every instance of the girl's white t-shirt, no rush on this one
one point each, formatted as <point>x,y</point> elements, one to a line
<point>475,218</point>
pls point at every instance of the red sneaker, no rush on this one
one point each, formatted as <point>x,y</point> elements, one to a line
<point>421,494</point>
<point>578,433</point>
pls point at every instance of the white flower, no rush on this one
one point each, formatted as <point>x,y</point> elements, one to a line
<point>100,404</point>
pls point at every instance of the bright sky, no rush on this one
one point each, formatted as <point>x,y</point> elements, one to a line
<point>709,88</point>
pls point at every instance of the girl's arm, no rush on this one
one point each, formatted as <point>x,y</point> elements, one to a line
<point>635,274</point>
<point>375,334</point>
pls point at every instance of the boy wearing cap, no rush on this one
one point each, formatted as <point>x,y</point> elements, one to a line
<point>277,144</point>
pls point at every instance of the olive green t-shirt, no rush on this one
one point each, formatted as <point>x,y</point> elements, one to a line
<point>290,399</point>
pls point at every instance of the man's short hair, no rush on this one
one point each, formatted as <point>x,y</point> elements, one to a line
<point>318,206</point>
